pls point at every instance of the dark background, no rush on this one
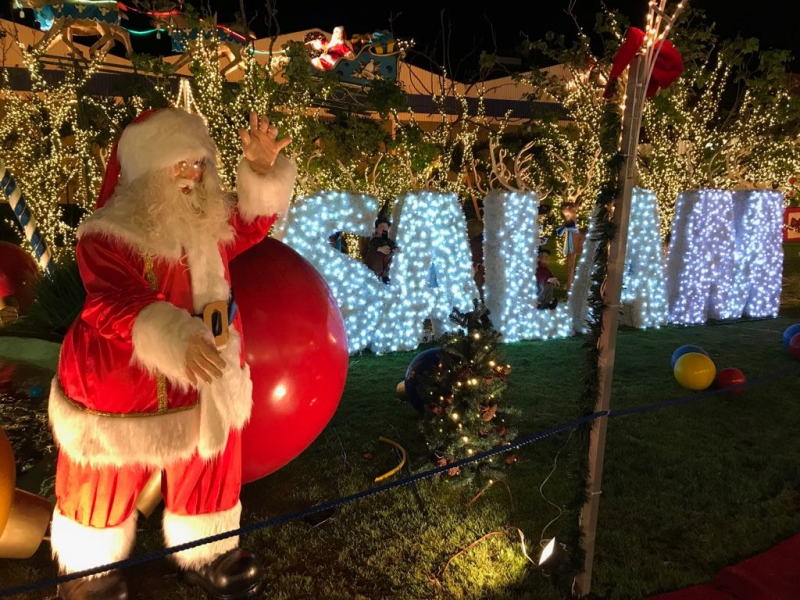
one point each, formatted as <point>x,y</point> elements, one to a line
<point>496,27</point>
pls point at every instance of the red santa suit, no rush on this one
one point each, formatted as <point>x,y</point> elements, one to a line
<point>121,406</point>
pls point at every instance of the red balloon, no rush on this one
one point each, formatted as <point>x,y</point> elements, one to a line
<point>794,346</point>
<point>18,274</point>
<point>730,377</point>
<point>296,346</point>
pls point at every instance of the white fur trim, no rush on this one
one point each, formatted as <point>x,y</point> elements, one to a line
<point>182,529</point>
<point>116,220</point>
<point>226,403</point>
<point>116,441</point>
<point>164,139</point>
<point>265,195</point>
<point>161,335</point>
<point>79,547</point>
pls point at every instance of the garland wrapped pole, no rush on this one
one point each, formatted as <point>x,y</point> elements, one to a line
<point>22,212</point>
<point>654,64</point>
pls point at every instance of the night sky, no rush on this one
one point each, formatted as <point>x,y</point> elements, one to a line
<point>497,27</point>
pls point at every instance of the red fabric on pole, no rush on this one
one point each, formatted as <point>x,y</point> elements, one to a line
<point>668,67</point>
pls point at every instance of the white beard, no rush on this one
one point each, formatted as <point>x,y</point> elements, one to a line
<point>170,213</point>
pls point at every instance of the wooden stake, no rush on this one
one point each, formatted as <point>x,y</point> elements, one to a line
<point>611,297</point>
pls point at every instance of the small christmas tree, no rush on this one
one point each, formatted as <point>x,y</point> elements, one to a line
<point>464,414</point>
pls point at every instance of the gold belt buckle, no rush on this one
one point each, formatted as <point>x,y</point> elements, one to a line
<point>215,316</point>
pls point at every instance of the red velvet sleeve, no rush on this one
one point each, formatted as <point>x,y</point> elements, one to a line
<point>116,289</point>
<point>248,234</point>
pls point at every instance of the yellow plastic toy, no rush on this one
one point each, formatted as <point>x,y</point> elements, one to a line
<point>695,371</point>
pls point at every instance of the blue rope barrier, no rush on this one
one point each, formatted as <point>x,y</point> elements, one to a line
<point>333,504</point>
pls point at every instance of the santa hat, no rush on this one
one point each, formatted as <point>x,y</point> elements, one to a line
<point>155,140</point>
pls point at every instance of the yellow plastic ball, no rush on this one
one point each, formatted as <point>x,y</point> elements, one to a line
<point>8,479</point>
<point>695,371</point>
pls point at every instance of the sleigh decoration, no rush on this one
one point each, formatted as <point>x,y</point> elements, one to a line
<point>366,59</point>
<point>67,18</point>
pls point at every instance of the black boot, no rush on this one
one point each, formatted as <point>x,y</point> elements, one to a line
<point>110,586</point>
<point>232,575</point>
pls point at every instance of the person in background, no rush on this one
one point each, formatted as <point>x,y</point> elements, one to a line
<point>381,250</point>
<point>546,282</point>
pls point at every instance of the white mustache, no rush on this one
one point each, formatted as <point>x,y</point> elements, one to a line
<point>184,183</point>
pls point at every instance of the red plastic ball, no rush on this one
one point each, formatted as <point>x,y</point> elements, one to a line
<point>296,346</point>
<point>18,274</point>
<point>794,346</point>
<point>730,377</point>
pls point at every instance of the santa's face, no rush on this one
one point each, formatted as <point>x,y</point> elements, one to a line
<point>189,174</point>
<point>338,35</point>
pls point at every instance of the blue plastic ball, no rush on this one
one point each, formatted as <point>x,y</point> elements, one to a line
<point>419,366</point>
<point>790,332</point>
<point>685,350</point>
<point>36,392</point>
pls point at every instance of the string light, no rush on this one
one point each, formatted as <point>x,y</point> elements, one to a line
<point>700,261</point>
<point>758,258</point>
<point>430,275</point>
<point>357,291</point>
<point>46,164</point>
<point>509,254</point>
<point>644,279</point>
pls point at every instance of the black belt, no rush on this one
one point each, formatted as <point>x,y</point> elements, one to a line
<point>216,319</point>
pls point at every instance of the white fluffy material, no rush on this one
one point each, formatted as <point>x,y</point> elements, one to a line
<point>161,335</point>
<point>113,441</point>
<point>225,404</point>
<point>79,547</point>
<point>164,139</point>
<point>265,195</point>
<point>182,529</point>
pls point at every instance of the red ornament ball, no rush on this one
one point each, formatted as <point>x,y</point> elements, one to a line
<point>794,346</point>
<point>296,346</point>
<point>729,377</point>
<point>18,274</point>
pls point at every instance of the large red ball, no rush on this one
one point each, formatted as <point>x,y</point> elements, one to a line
<point>18,274</point>
<point>296,346</point>
<point>794,346</point>
<point>730,377</point>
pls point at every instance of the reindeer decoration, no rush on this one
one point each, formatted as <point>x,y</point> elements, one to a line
<point>64,19</point>
<point>185,32</point>
<point>501,176</point>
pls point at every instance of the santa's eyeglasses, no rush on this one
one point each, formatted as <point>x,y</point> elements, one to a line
<point>197,165</point>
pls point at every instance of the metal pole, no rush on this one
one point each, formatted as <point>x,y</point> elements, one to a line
<point>608,340</point>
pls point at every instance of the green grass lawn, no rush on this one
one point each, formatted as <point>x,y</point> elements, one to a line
<point>687,490</point>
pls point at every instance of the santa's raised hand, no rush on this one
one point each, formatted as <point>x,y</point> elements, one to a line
<point>261,144</point>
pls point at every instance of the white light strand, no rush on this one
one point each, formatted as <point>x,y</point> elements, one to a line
<point>644,282</point>
<point>644,298</point>
<point>356,289</point>
<point>700,262</point>
<point>430,275</point>
<point>758,219</point>
<point>509,254</point>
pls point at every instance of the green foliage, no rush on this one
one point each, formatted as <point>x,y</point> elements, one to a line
<point>465,414</point>
<point>59,300</point>
<point>386,96</point>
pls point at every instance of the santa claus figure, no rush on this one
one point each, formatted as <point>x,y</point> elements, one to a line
<point>152,376</point>
<point>338,47</point>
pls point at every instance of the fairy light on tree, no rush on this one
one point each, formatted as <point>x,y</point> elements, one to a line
<point>53,140</point>
<point>464,409</point>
